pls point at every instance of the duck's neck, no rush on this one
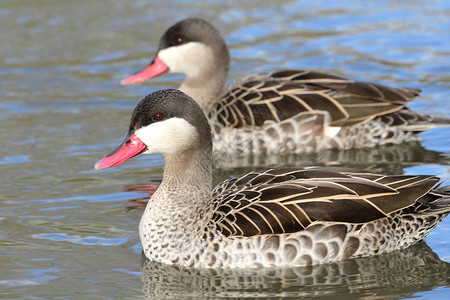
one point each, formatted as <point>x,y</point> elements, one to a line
<point>185,192</point>
<point>206,86</point>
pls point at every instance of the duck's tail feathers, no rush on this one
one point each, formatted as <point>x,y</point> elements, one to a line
<point>437,201</point>
<point>408,120</point>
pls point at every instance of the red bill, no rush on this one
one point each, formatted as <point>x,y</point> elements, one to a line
<point>131,147</point>
<point>155,68</point>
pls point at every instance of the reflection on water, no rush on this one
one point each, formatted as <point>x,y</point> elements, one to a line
<point>394,275</point>
<point>389,159</point>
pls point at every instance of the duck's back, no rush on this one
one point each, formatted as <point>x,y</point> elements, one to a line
<point>282,95</point>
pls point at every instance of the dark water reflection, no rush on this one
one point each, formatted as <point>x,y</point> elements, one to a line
<point>400,274</point>
<point>389,159</point>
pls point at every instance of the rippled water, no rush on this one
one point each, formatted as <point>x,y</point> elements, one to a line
<point>65,231</point>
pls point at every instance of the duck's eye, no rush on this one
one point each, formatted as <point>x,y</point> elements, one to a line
<point>178,41</point>
<point>158,117</point>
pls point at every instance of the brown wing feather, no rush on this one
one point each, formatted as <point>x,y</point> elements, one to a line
<point>408,120</point>
<point>287,200</point>
<point>280,96</point>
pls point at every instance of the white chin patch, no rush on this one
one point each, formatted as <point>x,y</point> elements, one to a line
<point>186,58</point>
<point>168,137</point>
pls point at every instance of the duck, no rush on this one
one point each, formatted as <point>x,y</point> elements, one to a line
<point>287,111</point>
<point>278,217</point>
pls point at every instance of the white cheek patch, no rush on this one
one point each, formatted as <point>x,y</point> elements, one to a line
<point>186,58</point>
<point>168,137</point>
